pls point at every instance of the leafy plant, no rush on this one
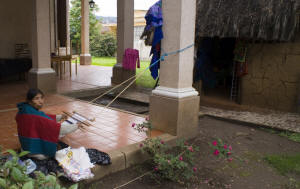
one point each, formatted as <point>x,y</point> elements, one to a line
<point>176,164</point>
<point>103,45</point>
<point>145,127</point>
<point>221,150</point>
<point>13,176</point>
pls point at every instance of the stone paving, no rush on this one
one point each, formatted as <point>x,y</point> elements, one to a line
<point>273,119</point>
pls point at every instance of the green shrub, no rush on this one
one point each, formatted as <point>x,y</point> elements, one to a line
<point>13,176</point>
<point>221,150</point>
<point>172,163</point>
<point>103,45</point>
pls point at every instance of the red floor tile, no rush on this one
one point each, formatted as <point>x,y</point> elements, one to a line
<point>111,129</point>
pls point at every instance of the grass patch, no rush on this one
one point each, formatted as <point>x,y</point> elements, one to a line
<point>104,61</point>
<point>146,79</point>
<point>285,163</point>
<point>287,134</point>
<point>269,130</point>
<point>290,135</point>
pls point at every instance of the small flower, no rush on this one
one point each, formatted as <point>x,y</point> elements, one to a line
<point>162,142</point>
<point>180,158</point>
<point>229,153</point>
<point>141,145</point>
<point>155,169</point>
<point>169,162</point>
<point>229,159</point>
<point>147,118</point>
<point>133,125</point>
<point>195,169</point>
<point>230,148</point>
<point>191,149</point>
<point>225,146</point>
<point>216,152</point>
<point>214,143</point>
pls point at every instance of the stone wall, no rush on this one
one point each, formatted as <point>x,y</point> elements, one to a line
<point>274,76</point>
<point>15,25</point>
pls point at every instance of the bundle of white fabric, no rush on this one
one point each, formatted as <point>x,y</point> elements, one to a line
<point>75,162</point>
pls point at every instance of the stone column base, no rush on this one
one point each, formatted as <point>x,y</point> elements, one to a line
<point>43,79</point>
<point>175,115</point>
<point>85,59</point>
<point>120,74</point>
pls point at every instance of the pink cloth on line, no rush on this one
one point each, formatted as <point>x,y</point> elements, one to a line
<point>130,59</point>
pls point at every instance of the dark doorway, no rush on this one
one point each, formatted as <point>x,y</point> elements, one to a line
<point>214,67</point>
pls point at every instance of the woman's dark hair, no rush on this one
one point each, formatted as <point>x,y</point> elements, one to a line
<point>32,93</point>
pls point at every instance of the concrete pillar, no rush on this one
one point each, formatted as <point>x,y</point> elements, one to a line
<point>125,29</point>
<point>85,57</point>
<point>41,75</point>
<point>52,26</point>
<point>174,105</point>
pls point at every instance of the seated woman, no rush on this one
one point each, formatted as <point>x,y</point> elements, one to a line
<point>39,132</point>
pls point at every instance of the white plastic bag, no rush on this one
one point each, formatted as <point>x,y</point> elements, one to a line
<point>75,162</point>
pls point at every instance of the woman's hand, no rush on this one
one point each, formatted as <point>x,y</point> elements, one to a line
<point>64,117</point>
<point>60,118</point>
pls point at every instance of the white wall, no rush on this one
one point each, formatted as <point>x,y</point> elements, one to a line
<point>15,25</point>
<point>140,45</point>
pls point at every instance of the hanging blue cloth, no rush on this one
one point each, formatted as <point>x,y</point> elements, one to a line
<point>154,19</point>
<point>155,51</point>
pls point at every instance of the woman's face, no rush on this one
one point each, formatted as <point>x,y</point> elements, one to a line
<point>38,101</point>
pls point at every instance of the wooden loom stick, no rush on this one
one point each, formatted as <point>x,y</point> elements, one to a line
<point>90,119</point>
<point>83,122</point>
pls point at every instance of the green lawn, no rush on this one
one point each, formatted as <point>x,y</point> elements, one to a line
<point>145,80</point>
<point>285,163</point>
<point>103,61</point>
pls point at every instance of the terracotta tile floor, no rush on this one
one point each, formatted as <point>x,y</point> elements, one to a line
<point>111,129</point>
<point>87,77</point>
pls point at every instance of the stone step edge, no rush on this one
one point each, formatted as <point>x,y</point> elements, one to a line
<point>124,158</point>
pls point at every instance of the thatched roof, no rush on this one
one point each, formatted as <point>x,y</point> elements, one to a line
<point>252,19</point>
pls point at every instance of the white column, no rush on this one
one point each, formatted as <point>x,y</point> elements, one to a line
<point>85,57</point>
<point>125,29</point>
<point>41,75</point>
<point>174,105</point>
